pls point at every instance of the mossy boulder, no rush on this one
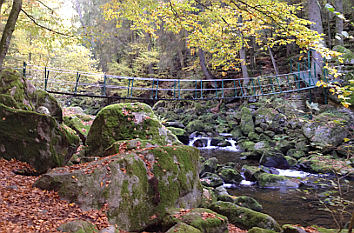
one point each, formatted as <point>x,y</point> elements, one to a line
<point>248,202</point>
<point>260,230</point>
<point>202,219</point>
<point>273,158</point>
<point>80,123</point>
<point>124,122</point>
<point>244,217</point>
<point>230,175</point>
<point>211,180</point>
<point>326,130</point>
<point>247,124</point>
<point>35,138</point>
<point>327,164</point>
<point>181,227</point>
<point>209,165</point>
<point>78,226</point>
<point>136,187</point>
<point>18,92</point>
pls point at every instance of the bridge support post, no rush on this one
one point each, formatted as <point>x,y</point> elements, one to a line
<point>24,69</point>
<point>77,82</point>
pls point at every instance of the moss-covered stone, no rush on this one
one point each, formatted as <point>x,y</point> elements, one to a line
<point>211,180</point>
<point>124,122</point>
<point>247,125</point>
<point>78,226</point>
<point>248,202</point>
<point>326,130</point>
<point>35,138</point>
<point>291,161</point>
<point>177,131</point>
<point>138,187</point>
<point>181,227</point>
<point>244,217</point>
<point>270,180</point>
<point>327,164</point>
<point>230,175</point>
<point>260,230</point>
<point>204,220</point>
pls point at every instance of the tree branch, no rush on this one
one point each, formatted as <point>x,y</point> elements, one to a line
<point>46,6</point>
<point>44,27</point>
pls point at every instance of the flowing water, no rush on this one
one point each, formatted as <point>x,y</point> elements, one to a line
<point>285,205</point>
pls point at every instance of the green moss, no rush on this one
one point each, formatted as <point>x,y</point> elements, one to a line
<point>177,131</point>
<point>260,230</point>
<point>9,101</point>
<point>35,138</point>
<point>266,179</point>
<point>204,220</point>
<point>125,122</point>
<point>244,217</point>
<point>183,228</point>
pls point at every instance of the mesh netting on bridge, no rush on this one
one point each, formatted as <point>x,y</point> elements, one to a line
<point>67,82</point>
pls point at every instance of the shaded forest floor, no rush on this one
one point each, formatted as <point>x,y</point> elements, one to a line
<point>24,208</point>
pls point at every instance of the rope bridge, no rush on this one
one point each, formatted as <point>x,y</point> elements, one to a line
<point>67,82</point>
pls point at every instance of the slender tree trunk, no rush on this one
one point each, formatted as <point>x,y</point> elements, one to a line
<point>203,65</point>
<point>244,66</point>
<point>329,29</point>
<point>314,12</point>
<point>339,21</point>
<point>273,61</point>
<point>9,29</point>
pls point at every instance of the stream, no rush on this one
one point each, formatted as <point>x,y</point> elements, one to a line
<point>285,205</point>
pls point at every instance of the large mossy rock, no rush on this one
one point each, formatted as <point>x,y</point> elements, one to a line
<point>19,93</point>
<point>35,138</point>
<point>124,122</point>
<point>247,124</point>
<point>136,187</point>
<point>202,219</point>
<point>326,130</point>
<point>244,217</point>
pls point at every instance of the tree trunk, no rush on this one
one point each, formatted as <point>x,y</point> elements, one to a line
<point>203,65</point>
<point>273,61</point>
<point>339,21</point>
<point>314,12</point>
<point>244,66</point>
<point>9,29</point>
<point>329,29</point>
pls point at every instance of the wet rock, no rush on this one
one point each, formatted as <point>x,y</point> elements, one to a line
<point>251,172</point>
<point>78,226</point>
<point>288,228</point>
<point>248,202</point>
<point>135,186</point>
<point>124,122</point>
<point>244,217</point>
<point>295,153</point>
<point>273,158</point>
<point>210,165</point>
<point>291,161</point>
<point>230,175</point>
<point>205,220</point>
<point>221,191</point>
<point>211,180</point>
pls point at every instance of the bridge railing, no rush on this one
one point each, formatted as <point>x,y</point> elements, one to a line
<point>61,81</point>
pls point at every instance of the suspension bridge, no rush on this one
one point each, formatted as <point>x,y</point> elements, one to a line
<point>75,83</point>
